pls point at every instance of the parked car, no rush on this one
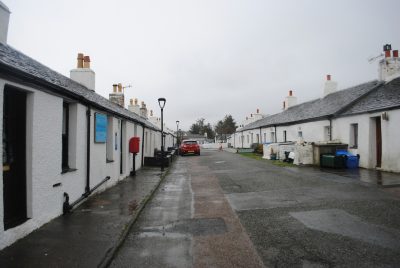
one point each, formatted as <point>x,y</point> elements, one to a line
<point>189,147</point>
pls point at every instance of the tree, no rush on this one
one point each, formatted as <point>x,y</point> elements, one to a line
<point>200,127</point>
<point>225,126</point>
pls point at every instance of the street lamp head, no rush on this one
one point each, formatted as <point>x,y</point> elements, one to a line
<point>177,122</point>
<point>161,102</point>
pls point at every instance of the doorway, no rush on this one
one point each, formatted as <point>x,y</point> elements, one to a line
<point>378,142</point>
<point>14,158</point>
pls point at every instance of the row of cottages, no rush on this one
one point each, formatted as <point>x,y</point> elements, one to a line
<point>366,117</point>
<point>61,140</point>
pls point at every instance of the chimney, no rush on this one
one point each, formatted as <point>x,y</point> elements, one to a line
<point>86,62</point>
<point>389,67</point>
<point>330,86</point>
<point>83,74</point>
<point>119,88</point>
<point>134,107</point>
<point>143,110</point>
<point>117,97</point>
<point>258,110</point>
<point>80,61</point>
<point>290,100</point>
<point>4,20</point>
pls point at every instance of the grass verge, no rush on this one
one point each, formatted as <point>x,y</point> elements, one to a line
<point>274,162</point>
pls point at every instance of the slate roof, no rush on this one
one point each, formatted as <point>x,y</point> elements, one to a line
<point>383,98</point>
<point>14,60</point>
<point>330,105</point>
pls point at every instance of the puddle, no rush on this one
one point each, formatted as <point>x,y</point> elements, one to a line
<point>195,227</point>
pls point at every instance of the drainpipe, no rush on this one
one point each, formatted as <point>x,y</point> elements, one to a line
<point>88,114</point>
<point>330,129</point>
<point>276,135</point>
<point>242,139</point>
<point>67,206</point>
<point>143,146</point>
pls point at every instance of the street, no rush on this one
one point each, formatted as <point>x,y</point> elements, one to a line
<point>225,210</point>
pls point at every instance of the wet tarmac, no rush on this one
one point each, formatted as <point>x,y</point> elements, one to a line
<point>224,210</point>
<point>189,223</point>
<point>311,217</point>
<point>84,237</point>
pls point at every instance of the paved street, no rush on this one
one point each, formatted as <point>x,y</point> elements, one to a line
<point>225,210</point>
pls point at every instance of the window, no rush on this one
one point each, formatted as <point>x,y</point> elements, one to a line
<point>353,136</point>
<point>257,138</point>
<point>65,132</point>
<point>110,141</point>
<point>284,136</point>
<point>327,133</point>
<point>300,134</point>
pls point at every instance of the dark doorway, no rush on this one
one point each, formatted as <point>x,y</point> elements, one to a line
<point>378,142</point>
<point>14,157</point>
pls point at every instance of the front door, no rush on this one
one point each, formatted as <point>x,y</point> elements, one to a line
<point>378,142</point>
<point>14,159</point>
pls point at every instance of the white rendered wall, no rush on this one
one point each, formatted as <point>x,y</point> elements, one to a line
<point>44,151</point>
<point>390,142</point>
<point>367,138</point>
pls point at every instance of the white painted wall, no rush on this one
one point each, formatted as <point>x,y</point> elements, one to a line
<point>367,138</point>
<point>44,150</point>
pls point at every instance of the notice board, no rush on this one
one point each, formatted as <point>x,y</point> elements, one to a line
<point>100,128</point>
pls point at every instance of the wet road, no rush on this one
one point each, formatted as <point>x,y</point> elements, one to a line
<point>225,210</point>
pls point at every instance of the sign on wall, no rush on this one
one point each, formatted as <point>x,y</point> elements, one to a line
<point>100,128</point>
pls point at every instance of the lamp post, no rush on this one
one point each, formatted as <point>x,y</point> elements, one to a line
<point>161,103</point>
<point>177,125</point>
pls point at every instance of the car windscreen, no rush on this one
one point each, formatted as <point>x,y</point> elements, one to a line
<point>190,142</point>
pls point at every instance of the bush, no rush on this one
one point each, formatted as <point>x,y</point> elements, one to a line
<point>257,147</point>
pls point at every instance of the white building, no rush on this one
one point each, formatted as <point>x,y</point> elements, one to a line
<point>61,140</point>
<point>366,117</point>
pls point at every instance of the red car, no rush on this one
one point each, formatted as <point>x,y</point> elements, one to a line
<point>189,147</point>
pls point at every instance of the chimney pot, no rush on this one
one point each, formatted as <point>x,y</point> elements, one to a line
<point>284,105</point>
<point>290,93</point>
<point>119,87</point>
<point>328,77</point>
<point>258,110</point>
<point>86,62</point>
<point>395,53</point>
<point>131,101</point>
<point>80,61</point>
<point>115,88</point>
<point>387,54</point>
<point>136,101</point>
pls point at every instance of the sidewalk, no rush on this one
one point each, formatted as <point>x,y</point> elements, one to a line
<point>89,235</point>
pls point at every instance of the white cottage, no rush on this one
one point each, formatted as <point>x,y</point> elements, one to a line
<point>61,140</point>
<point>366,117</point>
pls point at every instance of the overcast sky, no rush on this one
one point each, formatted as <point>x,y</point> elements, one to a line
<point>209,58</point>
